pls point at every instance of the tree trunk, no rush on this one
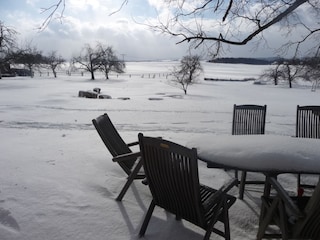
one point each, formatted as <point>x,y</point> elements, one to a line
<point>30,70</point>
<point>92,75</point>
<point>290,83</point>
<point>185,91</point>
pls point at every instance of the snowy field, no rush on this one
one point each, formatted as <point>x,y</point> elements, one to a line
<point>57,180</point>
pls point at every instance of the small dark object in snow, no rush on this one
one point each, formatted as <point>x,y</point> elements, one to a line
<point>97,90</point>
<point>105,97</point>
<point>153,98</point>
<point>87,94</point>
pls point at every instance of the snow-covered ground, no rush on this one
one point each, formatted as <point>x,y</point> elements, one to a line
<point>57,180</point>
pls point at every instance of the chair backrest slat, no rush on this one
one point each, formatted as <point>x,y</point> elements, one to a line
<point>248,119</point>
<point>308,122</point>
<point>113,140</point>
<point>172,173</point>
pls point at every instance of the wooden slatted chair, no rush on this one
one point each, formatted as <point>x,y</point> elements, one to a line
<point>172,174</point>
<point>129,161</point>
<point>248,119</point>
<point>296,217</point>
<point>307,126</point>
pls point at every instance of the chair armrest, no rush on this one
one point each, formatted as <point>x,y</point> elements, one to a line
<point>227,186</point>
<point>133,144</point>
<point>127,156</point>
<point>222,191</point>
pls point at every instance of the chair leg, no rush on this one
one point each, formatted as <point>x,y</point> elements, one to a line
<point>283,221</point>
<point>214,220</point>
<point>130,179</point>
<point>298,181</point>
<point>242,184</point>
<point>226,222</point>
<point>236,175</point>
<point>208,233</point>
<point>147,219</point>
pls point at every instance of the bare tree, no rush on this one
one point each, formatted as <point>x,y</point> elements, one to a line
<point>54,62</point>
<point>30,57</point>
<point>312,70</point>
<point>290,72</point>
<point>287,71</point>
<point>89,59</point>
<point>312,67</point>
<point>109,61</point>
<point>187,72</point>
<point>7,43</point>
<point>273,73</point>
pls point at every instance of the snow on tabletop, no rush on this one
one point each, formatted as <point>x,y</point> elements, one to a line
<point>261,153</point>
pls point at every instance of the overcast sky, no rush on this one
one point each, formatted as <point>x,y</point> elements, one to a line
<point>89,21</point>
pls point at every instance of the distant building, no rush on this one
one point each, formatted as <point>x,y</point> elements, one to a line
<point>5,70</point>
<point>21,72</point>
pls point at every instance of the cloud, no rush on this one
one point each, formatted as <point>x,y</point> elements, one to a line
<point>133,40</point>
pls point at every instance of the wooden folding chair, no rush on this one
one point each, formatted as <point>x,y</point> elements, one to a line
<point>129,161</point>
<point>172,174</point>
<point>307,126</point>
<point>248,119</point>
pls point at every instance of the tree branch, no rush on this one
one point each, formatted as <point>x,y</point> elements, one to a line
<point>228,10</point>
<point>275,20</point>
<point>52,10</point>
<point>123,3</point>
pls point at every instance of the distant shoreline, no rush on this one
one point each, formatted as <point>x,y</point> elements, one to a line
<point>252,61</point>
<point>229,80</point>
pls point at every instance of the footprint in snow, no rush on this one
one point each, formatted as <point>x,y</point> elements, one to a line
<point>7,220</point>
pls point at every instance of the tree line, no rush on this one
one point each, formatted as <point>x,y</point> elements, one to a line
<point>91,58</point>
<point>283,70</point>
<point>291,70</point>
